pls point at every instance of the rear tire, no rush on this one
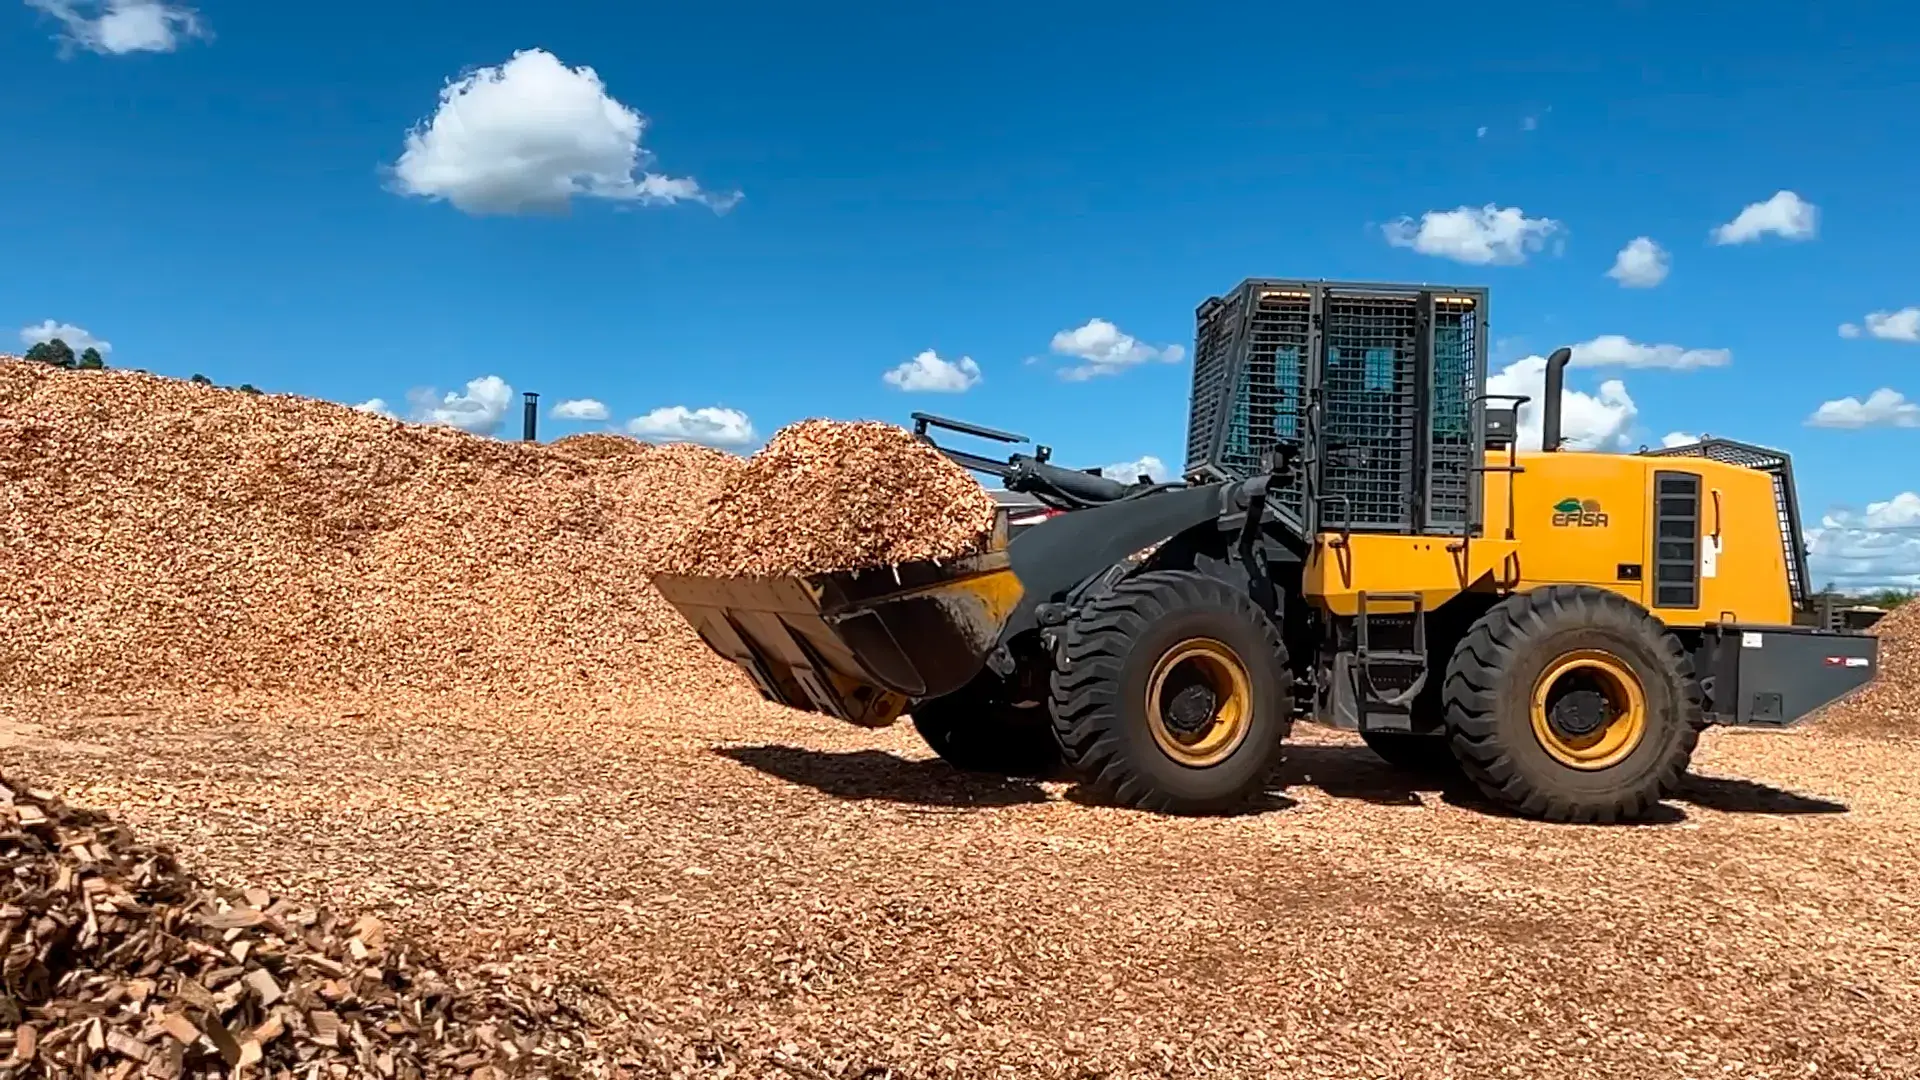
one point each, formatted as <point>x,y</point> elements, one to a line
<point>1171,693</point>
<point>975,730</point>
<point>1572,703</point>
<point>1426,752</point>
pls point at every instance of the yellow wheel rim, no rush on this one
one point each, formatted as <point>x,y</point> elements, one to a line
<point>1200,741</point>
<point>1589,741</point>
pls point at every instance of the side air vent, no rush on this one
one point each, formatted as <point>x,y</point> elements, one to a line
<point>1676,538</point>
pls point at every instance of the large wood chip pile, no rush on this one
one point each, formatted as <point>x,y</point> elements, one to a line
<point>160,534</point>
<point>1891,703</point>
<point>120,964</point>
<point>827,495</point>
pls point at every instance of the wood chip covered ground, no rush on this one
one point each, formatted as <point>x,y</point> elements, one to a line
<point>715,887</point>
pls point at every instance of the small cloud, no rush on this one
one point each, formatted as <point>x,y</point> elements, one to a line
<point>1602,420</point>
<point>1642,264</point>
<point>1786,215</point>
<point>1884,407</point>
<point>1478,236</point>
<point>1107,350</point>
<point>1678,438</point>
<point>1480,132</point>
<point>77,337</point>
<point>708,426</point>
<point>479,409</point>
<point>1529,123</point>
<point>378,407</point>
<point>1615,350</point>
<point>580,409</point>
<point>1129,471</point>
<point>1902,325</point>
<point>1875,548</point>
<point>531,135</point>
<point>118,27</point>
<point>928,373</point>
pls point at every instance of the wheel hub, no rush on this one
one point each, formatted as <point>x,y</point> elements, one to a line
<point>1192,709</point>
<point>1199,702</point>
<point>1580,713</point>
<point>1589,709</point>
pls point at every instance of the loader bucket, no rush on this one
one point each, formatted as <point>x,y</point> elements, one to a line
<point>858,646</point>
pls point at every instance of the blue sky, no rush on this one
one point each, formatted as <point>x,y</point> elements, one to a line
<point>230,189</point>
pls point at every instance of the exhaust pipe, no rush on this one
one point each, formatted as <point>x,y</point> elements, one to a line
<point>532,416</point>
<point>1550,408</point>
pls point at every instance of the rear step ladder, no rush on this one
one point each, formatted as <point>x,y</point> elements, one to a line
<point>1388,712</point>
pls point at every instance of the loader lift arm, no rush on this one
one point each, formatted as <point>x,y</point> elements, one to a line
<point>1058,487</point>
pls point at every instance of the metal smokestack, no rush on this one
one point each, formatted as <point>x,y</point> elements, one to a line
<point>532,416</point>
<point>1550,408</point>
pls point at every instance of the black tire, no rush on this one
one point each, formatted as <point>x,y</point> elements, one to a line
<point>1542,766</point>
<point>1104,668</point>
<point>1425,752</point>
<point>977,731</point>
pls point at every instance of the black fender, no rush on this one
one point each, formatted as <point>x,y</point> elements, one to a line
<point>1055,557</point>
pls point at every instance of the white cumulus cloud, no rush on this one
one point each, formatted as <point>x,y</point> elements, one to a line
<point>117,27</point>
<point>1105,350</point>
<point>928,373</point>
<point>1678,438</point>
<point>1127,472</point>
<point>1785,215</point>
<point>1875,548</point>
<point>710,426</point>
<point>1616,350</point>
<point>378,407</point>
<point>530,136</point>
<point>1601,420</point>
<point>1902,325</point>
<point>478,409</point>
<point>1479,236</point>
<point>1642,264</point>
<point>1884,407</point>
<point>580,409</point>
<point>77,337</point>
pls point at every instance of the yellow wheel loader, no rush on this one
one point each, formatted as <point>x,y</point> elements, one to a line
<point>1357,540</point>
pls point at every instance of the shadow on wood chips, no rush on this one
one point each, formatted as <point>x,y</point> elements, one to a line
<point>1341,772</point>
<point>878,775</point>
<point>1261,802</point>
<point>1734,796</point>
<point>1352,772</point>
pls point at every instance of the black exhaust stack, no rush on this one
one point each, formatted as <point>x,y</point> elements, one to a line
<point>1550,408</point>
<point>532,416</point>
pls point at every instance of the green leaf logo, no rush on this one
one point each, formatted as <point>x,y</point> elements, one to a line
<point>1567,506</point>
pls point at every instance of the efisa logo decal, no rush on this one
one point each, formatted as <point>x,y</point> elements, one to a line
<point>1579,514</point>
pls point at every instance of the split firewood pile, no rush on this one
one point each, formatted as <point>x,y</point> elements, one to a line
<point>1890,704</point>
<point>119,964</point>
<point>828,496</point>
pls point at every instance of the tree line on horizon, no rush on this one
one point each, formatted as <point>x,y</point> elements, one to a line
<point>57,353</point>
<point>60,354</point>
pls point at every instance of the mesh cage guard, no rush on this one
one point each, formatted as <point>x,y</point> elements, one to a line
<point>1377,384</point>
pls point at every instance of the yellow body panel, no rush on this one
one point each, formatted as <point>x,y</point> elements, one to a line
<point>1577,518</point>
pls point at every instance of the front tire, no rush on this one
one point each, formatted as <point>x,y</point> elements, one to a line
<point>1171,693</point>
<point>1572,703</point>
<point>977,730</point>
